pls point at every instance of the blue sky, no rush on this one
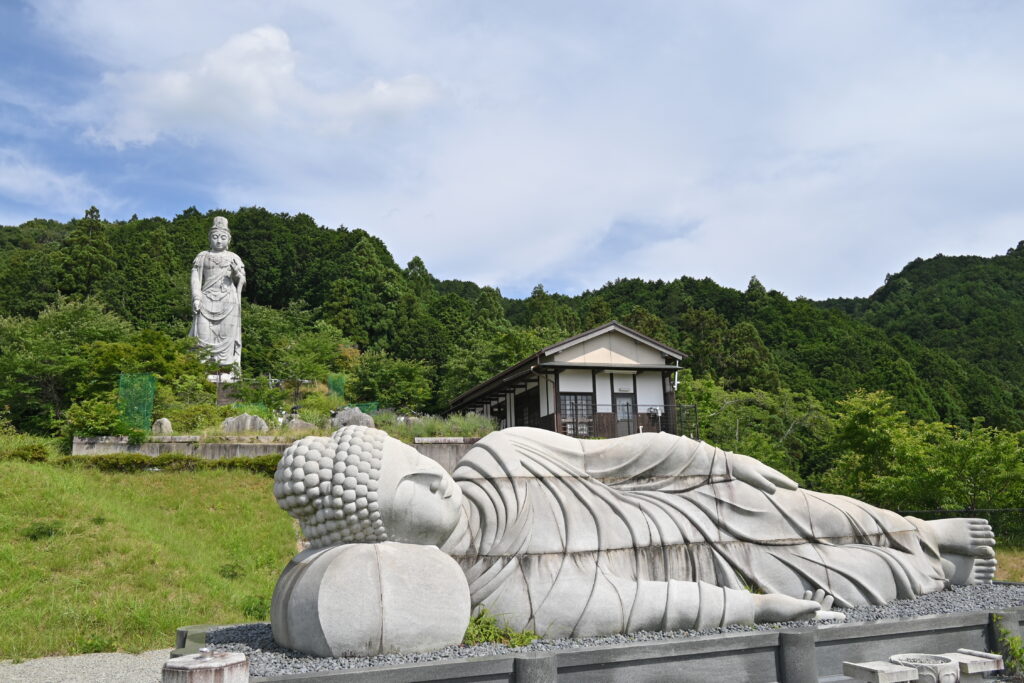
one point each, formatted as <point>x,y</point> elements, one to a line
<point>816,145</point>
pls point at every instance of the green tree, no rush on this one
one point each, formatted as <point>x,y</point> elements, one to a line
<point>395,383</point>
<point>43,361</point>
<point>87,257</point>
<point>882,457</point>
<point>364,302</point>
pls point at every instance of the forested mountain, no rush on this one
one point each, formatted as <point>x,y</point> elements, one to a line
<point>969,307</point>
<point>943,337</point>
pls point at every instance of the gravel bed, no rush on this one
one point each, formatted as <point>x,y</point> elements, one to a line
<point>266,658</point>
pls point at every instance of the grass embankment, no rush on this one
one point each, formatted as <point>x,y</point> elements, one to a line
<point>1011,564</point>
<point>99,561</point>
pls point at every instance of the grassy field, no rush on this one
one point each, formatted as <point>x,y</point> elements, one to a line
<point>93,561</point>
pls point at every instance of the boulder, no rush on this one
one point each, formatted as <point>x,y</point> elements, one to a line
<point>161,427</point>
<point>299,425</point>
<point>365,599</point>
<point>243,423</point>
<point>351,415</point>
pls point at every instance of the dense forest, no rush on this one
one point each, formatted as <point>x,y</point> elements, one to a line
<point>938,347</point>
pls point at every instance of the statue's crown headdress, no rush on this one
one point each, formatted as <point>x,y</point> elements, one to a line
<point>220,223</point>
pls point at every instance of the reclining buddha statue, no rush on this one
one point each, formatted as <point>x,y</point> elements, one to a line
<point>571,537</point>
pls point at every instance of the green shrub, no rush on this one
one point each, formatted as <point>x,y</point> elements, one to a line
<point>316,407</point>
<point>93,417</point>
<point>406,428</point>
<point>259,391</point>
<point>172,462</point>
<point>28,453</point>
<point>261,464</point>
<point>191,418</point>
<point>484,628</point>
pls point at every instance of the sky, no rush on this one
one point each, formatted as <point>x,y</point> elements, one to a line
<point>816,145</point>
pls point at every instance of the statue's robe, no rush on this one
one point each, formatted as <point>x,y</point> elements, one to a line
<point>218,322</point>
<point>651,531</point>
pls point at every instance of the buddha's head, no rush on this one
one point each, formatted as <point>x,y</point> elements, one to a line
<point>220,236</point>
<point>361,486</point>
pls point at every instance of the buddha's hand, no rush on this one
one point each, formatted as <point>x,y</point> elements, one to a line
<point>777,607</point>
<point>195,305</point>
<point>758,475</point>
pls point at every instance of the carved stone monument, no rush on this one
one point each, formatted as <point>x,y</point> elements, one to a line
<point>570,537</point>
<point>218,277</point>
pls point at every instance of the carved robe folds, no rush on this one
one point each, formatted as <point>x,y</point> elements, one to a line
<point>653,532</point>
<point>217,280</point>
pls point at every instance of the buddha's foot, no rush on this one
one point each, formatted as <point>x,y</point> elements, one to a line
<point>966,545</point>
<point>964,570</point>
<point>963,536</point>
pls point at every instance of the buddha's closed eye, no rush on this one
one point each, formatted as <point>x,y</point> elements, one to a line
<point>429,480</point>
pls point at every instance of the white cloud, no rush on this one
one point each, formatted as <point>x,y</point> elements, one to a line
<point>26,182</point>
<point>244,89</point>
<point>816,146</point>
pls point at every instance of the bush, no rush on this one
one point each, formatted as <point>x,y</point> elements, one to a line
<point>93,417</point>
<point>406,428</point>
<point>316,407</point>
<point>263,393</point>
<point>191,418</point>
<point>27,453</point>
<point>172,462</point>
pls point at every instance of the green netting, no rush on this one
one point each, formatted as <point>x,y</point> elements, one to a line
<point>369,407</point>
<point>135,398</point>
<point>336,384</point>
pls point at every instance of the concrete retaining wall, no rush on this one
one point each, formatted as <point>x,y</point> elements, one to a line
<point>444,450</point>
<point>228,447</point>
<point>811,655</point>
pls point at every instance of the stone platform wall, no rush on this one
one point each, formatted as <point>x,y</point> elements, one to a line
<point>807,655</point>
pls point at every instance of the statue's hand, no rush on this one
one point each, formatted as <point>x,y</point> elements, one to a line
<point>777,607</point>
<point>825,601</point>
<point>195,305</point>
<point>772,607</point>
<point>759,475</point>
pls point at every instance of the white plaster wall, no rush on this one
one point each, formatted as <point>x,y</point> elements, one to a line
<point>547,399</point>
<point>649,389</point>
<point>622,383</point>
<point>576,381</point>
<point>611,347</point>
<point>604,390</point>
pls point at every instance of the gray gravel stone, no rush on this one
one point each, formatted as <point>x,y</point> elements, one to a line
<point>266,658</point>
<point>109,667</point>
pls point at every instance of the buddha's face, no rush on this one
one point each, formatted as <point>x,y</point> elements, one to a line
<point>219,240</point>
<point>419,502</point>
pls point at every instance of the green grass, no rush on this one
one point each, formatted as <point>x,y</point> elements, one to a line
<point>1010,564</point>
<point>99,561</point>
<point>484,627</point>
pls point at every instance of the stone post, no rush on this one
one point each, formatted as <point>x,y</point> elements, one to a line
<point>207,667</point>
<point>536,667</point>
<point>797,661</point>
